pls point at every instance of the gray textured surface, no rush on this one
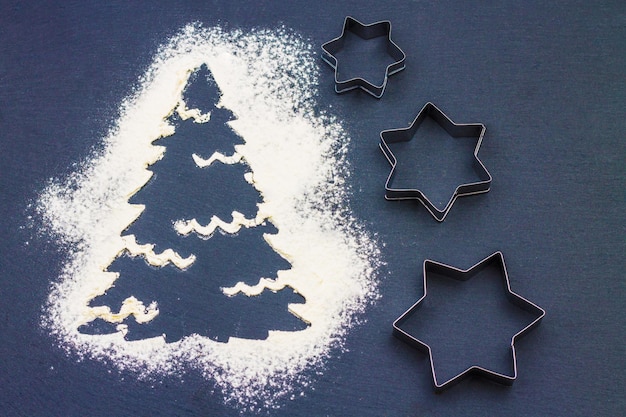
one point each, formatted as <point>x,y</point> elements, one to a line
<point>547,79</point>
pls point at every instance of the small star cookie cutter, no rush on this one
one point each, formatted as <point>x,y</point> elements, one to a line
<point>464,275</point>
<point>476,130</point>
<point>373,30</point>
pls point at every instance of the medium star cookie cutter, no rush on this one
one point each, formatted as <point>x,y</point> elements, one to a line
<point>373,30</point>
<point>464,275</point>
<point>475,130</point>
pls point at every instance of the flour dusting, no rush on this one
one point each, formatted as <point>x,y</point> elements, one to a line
<point>296,153</point>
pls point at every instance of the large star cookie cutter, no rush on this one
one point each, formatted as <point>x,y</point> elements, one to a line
<point>373,30</point>
<point>463,275</point>
<point>474,130</point>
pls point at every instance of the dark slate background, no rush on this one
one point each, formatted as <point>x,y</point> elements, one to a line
<point>546,78</point>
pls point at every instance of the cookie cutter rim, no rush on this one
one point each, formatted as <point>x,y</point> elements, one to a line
<point>370,31</point>
<point>454,130</point>
<point>464,275</point>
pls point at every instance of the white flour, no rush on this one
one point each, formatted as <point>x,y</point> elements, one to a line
<point>297,156</point>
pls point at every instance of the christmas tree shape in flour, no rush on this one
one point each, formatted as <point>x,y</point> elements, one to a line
<point>203,211</point>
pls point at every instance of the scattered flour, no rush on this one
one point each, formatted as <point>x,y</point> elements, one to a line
<point>297,155</point>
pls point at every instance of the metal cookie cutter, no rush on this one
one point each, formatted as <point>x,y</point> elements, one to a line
<point>373,30</point>
<point>463,275</point>
<point>475,130</point>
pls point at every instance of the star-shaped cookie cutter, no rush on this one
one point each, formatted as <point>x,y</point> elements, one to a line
<point>464,275</point>
<point>475,130</point>
<point>373,30</point>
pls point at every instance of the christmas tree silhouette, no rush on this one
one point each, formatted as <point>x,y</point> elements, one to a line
<point>188,188</point>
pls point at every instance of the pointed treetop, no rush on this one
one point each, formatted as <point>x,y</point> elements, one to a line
<point>201,91</point>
